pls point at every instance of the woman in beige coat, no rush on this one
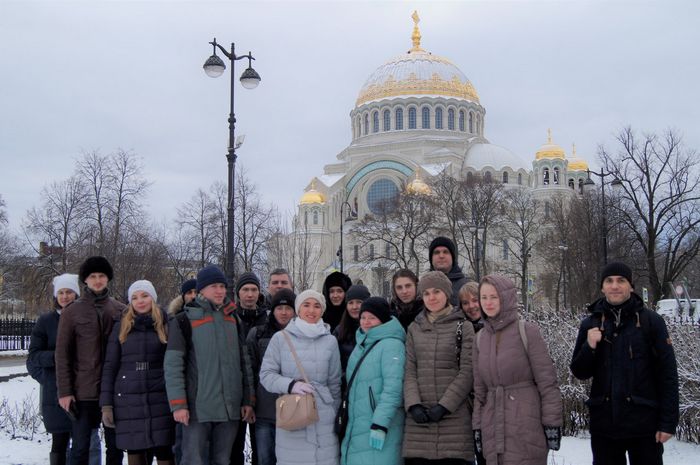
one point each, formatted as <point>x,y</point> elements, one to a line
<point>517,405</point>
<point>438,379</point>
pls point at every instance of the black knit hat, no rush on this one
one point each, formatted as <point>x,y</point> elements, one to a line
<point>96,264</point>
<point>187,286</point>
<point>208,275</point>
<point>377,306</point>
<point>357,292</point>
<point>442,241</point>
<point>283,297</point>
<point>616,269</point>
<point>247,278</point>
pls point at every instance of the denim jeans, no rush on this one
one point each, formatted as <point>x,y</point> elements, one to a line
<point>88,418</point>
<point>265,441</point>
<point>218,435</point>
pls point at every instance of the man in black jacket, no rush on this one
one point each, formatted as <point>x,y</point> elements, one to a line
<point>443,257</point>
<point>626,349</point>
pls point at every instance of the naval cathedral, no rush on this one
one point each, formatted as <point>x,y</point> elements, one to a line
<point>416,117</point>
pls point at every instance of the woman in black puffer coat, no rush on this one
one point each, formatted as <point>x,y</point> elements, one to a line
<point>133,396</point>
<point>41,366</point>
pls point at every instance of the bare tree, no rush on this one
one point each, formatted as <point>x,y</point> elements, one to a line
<point>482,200</point>
<point>521,227</point>
<point>198,224</point>
<point>253,224</point>
<point>659,202</point>
<point>93,169</point>
<point>401,231</point>
<point>58,223</point>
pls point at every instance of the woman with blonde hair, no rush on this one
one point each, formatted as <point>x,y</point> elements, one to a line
<point>133,397</point>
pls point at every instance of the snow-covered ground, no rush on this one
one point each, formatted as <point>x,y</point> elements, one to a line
<point>574,451</point>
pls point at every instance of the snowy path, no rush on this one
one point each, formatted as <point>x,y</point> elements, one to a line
<point>574,451</point>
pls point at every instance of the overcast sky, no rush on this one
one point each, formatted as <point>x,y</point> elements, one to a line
<point>78,76</point>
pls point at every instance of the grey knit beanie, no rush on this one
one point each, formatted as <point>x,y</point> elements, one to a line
<point>437,280</point>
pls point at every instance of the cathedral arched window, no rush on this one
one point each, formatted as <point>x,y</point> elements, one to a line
<point>366,124</point>
<point>555,179</point>
<point>571,183</point>
<point>387,120</point>
<point>520,179</point>
<point>505,249</point>
<point>370,255</point>
<point>306,218</point>
<point>546,210</point>
<point>505,177</point>
<point>461,120</point>
<point>375,121</point>
<point>545,176</point>
<point>451,119</point>
<point>470,178</point>
<point>399,119</point>
<point>471,122</point>
<point>438,118</point>
<point>425,118</point>
<point>580,186</point>
<point>382,196</point>
<point>412,117</point>
<point>315,216</point>
<point>487,177</point>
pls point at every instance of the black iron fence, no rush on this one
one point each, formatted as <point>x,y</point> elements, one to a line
<point>15,333</point>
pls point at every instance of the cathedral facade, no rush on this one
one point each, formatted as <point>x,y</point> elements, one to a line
<point>417,116</point>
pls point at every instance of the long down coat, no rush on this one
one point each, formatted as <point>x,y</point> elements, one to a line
<point>433,376</point>
<point>317,443</point>
<point>133,383</point>
<point>516,391</point>
<point>41,365</point>
<point>376,395</point>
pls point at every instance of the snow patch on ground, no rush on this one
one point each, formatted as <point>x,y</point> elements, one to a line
<point>574,450</point>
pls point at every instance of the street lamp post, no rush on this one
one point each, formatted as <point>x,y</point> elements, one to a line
<point>588,185</point>
<point>215,67</point>
<point>342,221</point>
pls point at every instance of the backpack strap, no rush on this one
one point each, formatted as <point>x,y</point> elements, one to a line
<point>523,334</point>
<point>185,328</point>
<point>521,330</point>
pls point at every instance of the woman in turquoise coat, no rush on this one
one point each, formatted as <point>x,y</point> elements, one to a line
<point>375,400</point>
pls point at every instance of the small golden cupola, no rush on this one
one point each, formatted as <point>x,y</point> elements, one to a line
<point>576,163</point>
<point>312,196</point>
<point>550,149</point>
<point>418,186</point>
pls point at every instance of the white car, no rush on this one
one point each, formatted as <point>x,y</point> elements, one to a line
<point>670,309</point>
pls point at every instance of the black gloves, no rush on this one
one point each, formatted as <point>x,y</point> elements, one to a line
<point>419,413</point>
<point>477,441</point>
<point>436,413</point>
<point>553,434</point>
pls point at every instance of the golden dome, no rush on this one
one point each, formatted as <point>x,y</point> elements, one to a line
<point>312,196</point>
<point>550,149</point>
<point>576,163</point>
<point>417,73</point>
<point>418,186</point>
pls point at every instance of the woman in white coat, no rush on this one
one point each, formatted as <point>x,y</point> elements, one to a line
<point>318,354</point>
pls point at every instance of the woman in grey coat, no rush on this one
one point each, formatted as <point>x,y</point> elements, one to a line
<point>318,354</point>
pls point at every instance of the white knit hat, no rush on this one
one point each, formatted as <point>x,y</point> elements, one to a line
<point>66,281</point>
<point>145,286</point>
<point>310,294</point>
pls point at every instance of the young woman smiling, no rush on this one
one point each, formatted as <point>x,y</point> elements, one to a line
<point>133,397</point>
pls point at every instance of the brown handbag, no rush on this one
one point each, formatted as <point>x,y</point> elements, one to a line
<point>295,411</point>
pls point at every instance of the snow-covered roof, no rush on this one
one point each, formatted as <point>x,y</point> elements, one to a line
<point>480,156</point>
<point>330,179</point>
<point>434,169</point>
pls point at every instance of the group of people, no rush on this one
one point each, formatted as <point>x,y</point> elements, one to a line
<point>444,373</point>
